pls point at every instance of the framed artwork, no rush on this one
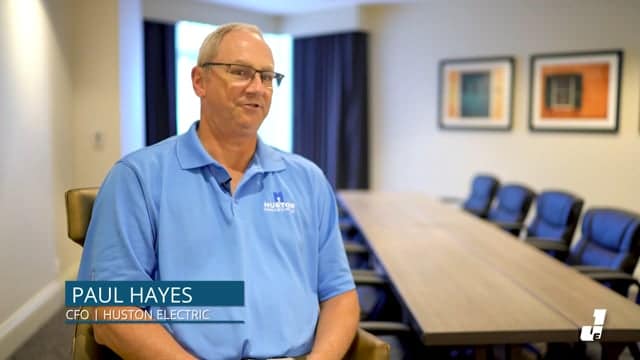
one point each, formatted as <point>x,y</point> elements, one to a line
<point>575,91</point>
<point>476,93</point>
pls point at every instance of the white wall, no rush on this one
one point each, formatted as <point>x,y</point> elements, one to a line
<point>96,88</point>
<point>322,22</point>
<point>408,41</point>
<point>175,10</point>
<point>35,161</point>
<point>131,80</point>
<point>69,70</point>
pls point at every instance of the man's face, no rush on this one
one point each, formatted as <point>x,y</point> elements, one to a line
<point>231,105</point>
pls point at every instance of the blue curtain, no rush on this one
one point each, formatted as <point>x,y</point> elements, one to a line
<point>160,81</point>
<point>330,105</point>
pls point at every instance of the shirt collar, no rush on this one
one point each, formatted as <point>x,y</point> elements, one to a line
<point>267,158</point>
<point>192,154</point>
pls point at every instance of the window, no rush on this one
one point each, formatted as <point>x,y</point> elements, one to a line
<point>564,91</point>
<point>277,127</point>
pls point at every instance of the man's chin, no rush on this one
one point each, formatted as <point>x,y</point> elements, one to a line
<point>250,124</point>
<point>247,131</point>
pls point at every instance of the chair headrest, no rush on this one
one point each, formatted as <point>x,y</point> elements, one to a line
<point>555,207</point>
<point>484,185</point>
<point>513,197</point>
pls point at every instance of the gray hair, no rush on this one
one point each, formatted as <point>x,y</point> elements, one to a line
<point>209,47</point>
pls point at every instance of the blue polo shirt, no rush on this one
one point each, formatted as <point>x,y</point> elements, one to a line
<point>165,213</point>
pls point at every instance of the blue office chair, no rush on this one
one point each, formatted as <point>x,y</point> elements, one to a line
<point>483,189</point>
<point>610,241</point>
<point>354,242</point>
<point>608,251</point>
<point>557,215</point>
<point>512,205</point>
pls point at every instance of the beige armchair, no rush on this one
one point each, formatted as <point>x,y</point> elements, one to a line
<point>79,203</point>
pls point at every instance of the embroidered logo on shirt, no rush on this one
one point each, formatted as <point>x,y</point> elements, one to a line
<point>279,204</point>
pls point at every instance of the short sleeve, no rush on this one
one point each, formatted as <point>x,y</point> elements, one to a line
<point>120,243</point>
<point>334,274</point>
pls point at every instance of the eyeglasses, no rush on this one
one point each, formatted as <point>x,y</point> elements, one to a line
<point>246,73</point>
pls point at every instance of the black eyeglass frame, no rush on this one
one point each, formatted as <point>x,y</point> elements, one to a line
<point>276,75</point>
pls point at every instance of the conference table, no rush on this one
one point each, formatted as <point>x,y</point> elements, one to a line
<point>465,281</point>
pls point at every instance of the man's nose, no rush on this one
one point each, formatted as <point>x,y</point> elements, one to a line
<point>256,84</point>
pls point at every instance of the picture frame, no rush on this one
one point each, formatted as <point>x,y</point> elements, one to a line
<point>476,93</point>
<point>575,92</point>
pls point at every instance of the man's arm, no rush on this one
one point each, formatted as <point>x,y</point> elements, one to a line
<point>120,246</point>
<point>337,325</point>
<point>138,341</point>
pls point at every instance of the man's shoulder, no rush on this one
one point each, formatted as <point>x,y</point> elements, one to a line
<point>299,164</point>
<point>152,157</point>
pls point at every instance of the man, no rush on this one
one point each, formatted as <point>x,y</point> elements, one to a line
<point>218,204</point>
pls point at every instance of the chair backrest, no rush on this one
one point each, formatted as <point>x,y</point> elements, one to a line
<point>610,238</point>
<point>483,189</point>
<point>512,204</point>
<point>79,205</point>
<point>557,215</point>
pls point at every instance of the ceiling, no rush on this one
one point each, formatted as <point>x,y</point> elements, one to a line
<point>288,7</point>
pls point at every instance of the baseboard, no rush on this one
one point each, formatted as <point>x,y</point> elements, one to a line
<point>33,314</point>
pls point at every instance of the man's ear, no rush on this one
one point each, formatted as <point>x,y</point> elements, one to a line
<point>197,81</point>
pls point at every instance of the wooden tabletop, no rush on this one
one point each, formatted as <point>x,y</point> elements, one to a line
<point>465,281</point>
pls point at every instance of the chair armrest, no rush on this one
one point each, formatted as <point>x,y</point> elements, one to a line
<point>367,277</point>
<point>585,269</point>
<point>366,346</point>
<point>509,225</point>
<point>346,224</point>
<point>451,200</point>
<point>546,244</point>
<point>618,277</point>
<point>476,213</point>
<point>85,346</point>
<point>617,281</point>
<point>352,247</point>
<point>385,327</point>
